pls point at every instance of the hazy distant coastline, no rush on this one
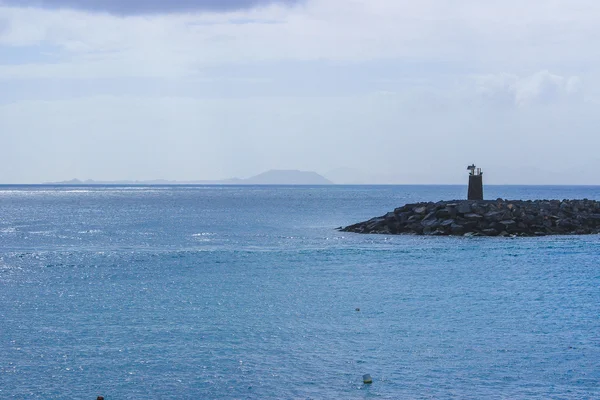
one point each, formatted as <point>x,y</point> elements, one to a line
<point>272,177</point>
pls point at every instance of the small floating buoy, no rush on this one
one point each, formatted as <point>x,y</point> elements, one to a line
<point>367,380</point>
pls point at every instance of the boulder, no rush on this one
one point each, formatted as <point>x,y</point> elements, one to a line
<point>448,222</point>
<point>429,216</point>
<point>414,218</point>
<point>443,213</point>
<point>402,217</point>
<point>464,208</point>
<point>457,229</point>
<point>494,216</point>
<point>430,223</point>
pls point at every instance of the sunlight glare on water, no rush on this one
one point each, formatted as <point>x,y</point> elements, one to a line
<point>250,292</point>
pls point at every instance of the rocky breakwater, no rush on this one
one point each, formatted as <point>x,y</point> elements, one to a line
<point>488,218</point>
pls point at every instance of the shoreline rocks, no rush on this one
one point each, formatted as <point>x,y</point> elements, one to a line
<point>487,218</point>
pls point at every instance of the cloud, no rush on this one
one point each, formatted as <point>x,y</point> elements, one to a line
<point>374,45</point>
<point>541,87</point>
<point>553,35</point>
<point>307,87</point>
<point>141,7</point>
<point>3,26</point>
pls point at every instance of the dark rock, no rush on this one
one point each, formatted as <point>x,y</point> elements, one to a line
<point>469,225</point>
<point>488,218</point>
<point>490,232</point>
<point>402,217</point>
<point>494,216</point>
<point>384,231</point>
<point>564,223</point>
<point>483,224</point>
<point>448,222</point>
<point>457,229</point>
<point>464,208</point>
<point>429,216</point>
<point>374,223</point>
<point>443,213</point>
<point>416,228</point>
<point>414,218</point>
<point>405,208</point>
<point>430,223</point>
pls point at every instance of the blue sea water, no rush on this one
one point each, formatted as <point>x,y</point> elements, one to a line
<point>250,293</point>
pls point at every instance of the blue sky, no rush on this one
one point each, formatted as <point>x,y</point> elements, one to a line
<point>362,90</point>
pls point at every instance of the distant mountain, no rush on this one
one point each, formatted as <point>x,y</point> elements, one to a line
<point>273,177</point>
<point>287,177</point>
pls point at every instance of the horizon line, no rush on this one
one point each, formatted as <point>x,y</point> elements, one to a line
<point>142,183</point>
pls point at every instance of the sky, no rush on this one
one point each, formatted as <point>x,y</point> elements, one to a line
<point>361,91</point>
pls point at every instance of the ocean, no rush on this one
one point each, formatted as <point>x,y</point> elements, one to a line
<point>249,292</point>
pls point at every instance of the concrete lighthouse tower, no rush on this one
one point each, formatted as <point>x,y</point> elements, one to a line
<point>475,183</point>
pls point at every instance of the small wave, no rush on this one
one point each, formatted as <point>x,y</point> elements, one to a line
<point>43,233</point>
<point>8,268</point>
<point>90,232</point>
<point>8,230</point>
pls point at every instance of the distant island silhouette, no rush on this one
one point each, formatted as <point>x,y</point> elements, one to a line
<point>272,177</point>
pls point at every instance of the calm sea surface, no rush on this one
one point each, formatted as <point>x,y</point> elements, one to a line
<point>250,293</point>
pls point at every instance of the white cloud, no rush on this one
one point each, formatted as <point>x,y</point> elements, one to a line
<point>541,87</point>
<point>381,84</point>
<point>573,85</point>
<point>486,36</point>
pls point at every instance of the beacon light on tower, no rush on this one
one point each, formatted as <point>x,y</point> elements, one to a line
<point>475,183</point>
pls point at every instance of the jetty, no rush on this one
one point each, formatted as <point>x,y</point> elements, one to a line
<point>479,217</point>
<point>488,218</point>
